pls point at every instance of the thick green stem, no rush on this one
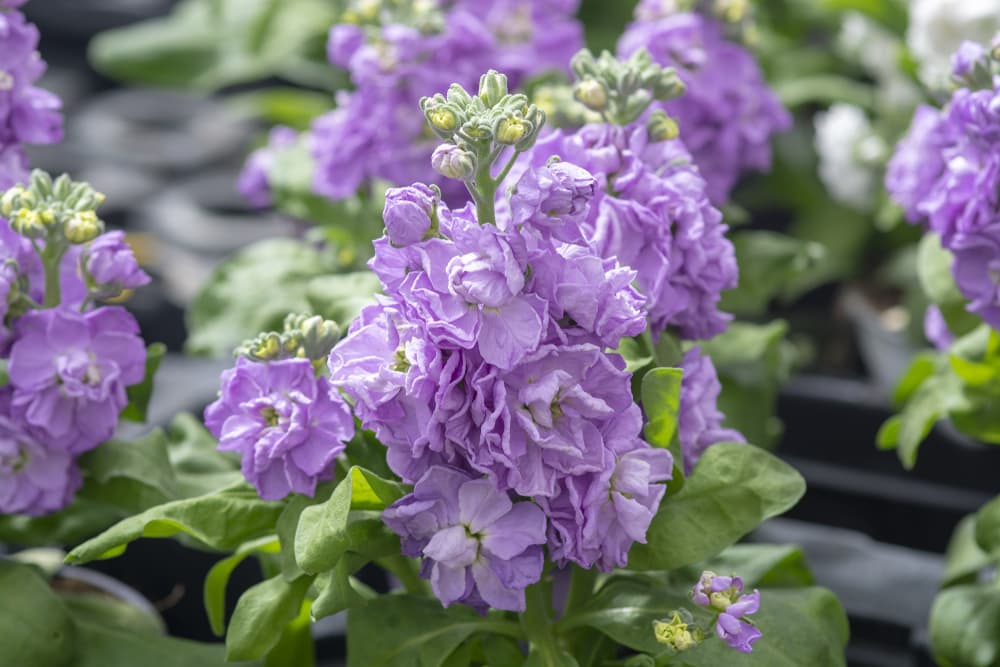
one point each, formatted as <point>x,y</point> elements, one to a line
<point>405,569</point>
<point>486,188</point>
<point>537,623</point>
<point>52,258</point>
<point>581,588</point>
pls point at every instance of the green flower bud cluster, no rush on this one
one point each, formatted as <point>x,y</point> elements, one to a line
<point>424,15</point>
<point>621,91</point>
<point>561,107</point>
<point>680,633</point>
<point>477,130</point>
<point>54,210</point>
<point>302,337</point>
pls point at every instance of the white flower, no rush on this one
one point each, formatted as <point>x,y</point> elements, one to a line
<point>878,51</point>
<point>938,27</point>
<point>848,150</point>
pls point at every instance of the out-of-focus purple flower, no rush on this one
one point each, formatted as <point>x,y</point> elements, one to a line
<point>28,115</point>
<point>254,183</point>
<point>345,40</point>
<point>478,546</point>
<point>965,59</point>
<point>407,213</point>
<point>69,371</point>
<point>936,328</point>
<point>724,595</point>
<point>35,479</point>
<point>287,424</point>
<point>110,263</point>
<point>918,161</point>
<point>596,518</point>
<point>700,420</point>
<point>554,199</point>
<point>728,113</point>
<point>977,272</point>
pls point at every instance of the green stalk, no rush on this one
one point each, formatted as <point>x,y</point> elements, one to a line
<point>581,588</point>
<point>486,188</point>
<point>52,258</point>
<point>537,623</point>
<point>405,569</point>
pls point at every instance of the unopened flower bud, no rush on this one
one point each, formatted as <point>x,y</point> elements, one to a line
<point>591,94</point>
<point>678,633</point>
<point>492,87</point>
<point>8,201</point>
<point>82,227</point>
<point>442,119</point>
<point>28,222</point>
<point>410,214</point>
<point>459,96</point>
<point>665,84</point>
<point>453,162</point>
<point>511,130</point>
<point>318,337</point>
<point>41,183</point>
<point>661,127</point>
<point>265,347</point>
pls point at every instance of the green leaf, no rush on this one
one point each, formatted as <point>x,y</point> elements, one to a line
<point>328,530</point>
<point>753,362</point>
<point>801,626</point>
<point>771,565</point>
<point>732,489</point>
<point>338,590</point>
<point>964,558</point>
<point>408,631</point>
<point>295,646</point>
<point>963,626</point>
<point>218,579</point>
<point>563,659</point>
<point>769,264</point>
<point>252,292</point>
<point>139,394</point>
<point>282,105</point>
<point>37,629</point>
<point>341,297</point>
<point>222,520</point>
<point>921,368</point>
<point>661,402</point>
<point>80,521</point>
<point>133,476</point>
<point>635,353</point>
<point>988,527</point>
<point>261,616</point>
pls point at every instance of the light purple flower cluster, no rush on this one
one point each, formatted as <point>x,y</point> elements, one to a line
<point>700,421</point>
<point>68,368</point>
<point>373,132</point>
<point>28,114</point>
<point>484,364</point>
<point>287,424</point>
<point>946,172</point>
<point>727,113</point>
<point>724,595</point>
<point>650,212</point>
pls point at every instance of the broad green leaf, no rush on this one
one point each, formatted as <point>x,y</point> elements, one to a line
<point>112,612</point>
<point>769,263</point>
<point>326,531</point>
<point>563,659</point>
<point>252,292</point>
<point>341,297</point>
<point>964,558</point>
<point>921,368</point>
<point>283,105</point>
<point>732,489</point>
<point>36,628</point>
<point>661,402</point>
<point>635,353</point>
<point>132,475</point>
<point>198,465</point>
<point>218,579</point>
<point>771,565</point>
<point>988,527</point>
<point>261,616</point>
<point>139,394</point>
<point>801,626</point>
<point>78,522</point>
<point>295,646</point>
<point>339,590</point>
<point>222,520</point>
<point>931,401</point>
<point>963,626</point>
<point>753,362</point>
<point>408,631</point>
<point>824,88</point>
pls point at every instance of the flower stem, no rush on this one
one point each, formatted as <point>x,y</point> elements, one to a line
<point>405,569</point>
<point>51,257</point>
<point>537,623</point>
<point>486,189</point>
<point>581,588</point>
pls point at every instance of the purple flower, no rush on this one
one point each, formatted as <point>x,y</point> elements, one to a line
<point>407,213</point>
<point>555,199</point>
<point>111,265</point>
<point>35,479</point>
<point>700,419</point>
<point>69,371</point>
<point>936,328</point>
<point>287,424</point>
<point>727,114</point>
<point>28,115</point>
<point>564,410</point>
<point>254,181</point>
<point>977,272</point>
<point>917,162</point>
<point>724,595</point>
<point>478,546</point>
<point>965,59</point>
<point>596,518</point>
